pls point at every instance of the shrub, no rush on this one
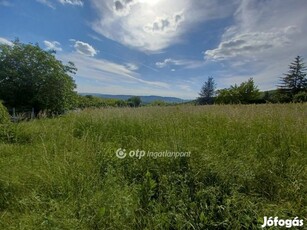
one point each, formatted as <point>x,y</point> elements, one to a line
<point>4,115</point>
<point>5,126</point>
<point>300,97</point>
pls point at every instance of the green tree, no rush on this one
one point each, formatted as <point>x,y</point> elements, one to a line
<point>248,92</point>
<point>294,81</point>
<point>228,96</point>
<point>134,101</point>
<point>33,78</point>
<point>207,92</point>
<point>245,93</point>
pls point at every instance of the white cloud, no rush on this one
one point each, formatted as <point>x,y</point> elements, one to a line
<point>106,72</point>
<point>5,41</point>
<point>122,7</point>
<point>51,3</point>
<point>72,2</point>
<point>166,24</point>
<point>264,39</point>
<point>154,25</point>
<point>53,45</point>
<point>132,66</point>
<point>189,64</point>
<point>250,44</point>
<point>47,3</point>
<point>260,30</point>
<point>85,48</point>
<point>169,61</point>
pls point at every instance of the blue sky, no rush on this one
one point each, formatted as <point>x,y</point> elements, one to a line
<point>163,47</point>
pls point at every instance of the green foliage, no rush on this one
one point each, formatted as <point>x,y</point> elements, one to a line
<point>207,92</point>
<point>270,96</point>
<point>33,78</point>
<point>247,161</point>
<point>6,129</point>
<point>159,103</point>
<point>300,97</point>
<point>245,93</point>
<point>134,101</point>
<point>90,101</point>
<point>4,115</point>
<point>293,82</point>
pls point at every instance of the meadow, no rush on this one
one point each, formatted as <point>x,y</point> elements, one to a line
<point>246,162</point>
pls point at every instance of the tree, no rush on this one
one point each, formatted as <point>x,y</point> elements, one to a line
<point>248,92</point>
<point>33,78</point>
<point>134,101</point>
<point>207,92</point>
<point>245,93</point>
<point>294,81</point>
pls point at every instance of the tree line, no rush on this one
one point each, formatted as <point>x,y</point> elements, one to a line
<point>31,77</point>
<point>90,101</point>
<point>292,88</point>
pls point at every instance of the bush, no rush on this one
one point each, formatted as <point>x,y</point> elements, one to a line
<point>245,93</point>
<point>4,115</point>
<point>300,97</point>
<point>5,126</point>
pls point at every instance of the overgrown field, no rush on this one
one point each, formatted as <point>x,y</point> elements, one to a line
<point>247,162</point>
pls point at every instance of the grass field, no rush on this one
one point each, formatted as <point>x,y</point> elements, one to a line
<point>246,162</point>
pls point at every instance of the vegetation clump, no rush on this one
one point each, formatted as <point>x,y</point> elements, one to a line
<point>4,115</point>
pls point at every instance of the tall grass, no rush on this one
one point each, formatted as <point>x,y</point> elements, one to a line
<point>247,161</point>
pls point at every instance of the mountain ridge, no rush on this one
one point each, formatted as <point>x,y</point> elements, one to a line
<point>145,99</point>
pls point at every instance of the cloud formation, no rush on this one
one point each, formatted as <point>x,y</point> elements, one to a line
<point>122,7</point>
<point>85,48</point>
<point>51,3</point>
<point>5,41</point>
<point>106,71</point>
<point>166,24</point>
<point>243,44</point>
<point>53,45</point>
<point>154,25</point>
<point>189,64</point>
<point>132,66</point>
<point>260,31</point>
<point>262,41</point>
<point>72,2</point>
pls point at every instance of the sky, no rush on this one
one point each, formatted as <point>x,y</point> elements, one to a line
<point>163,47</point>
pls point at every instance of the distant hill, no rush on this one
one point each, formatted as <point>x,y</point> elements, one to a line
<point>145,99</point>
